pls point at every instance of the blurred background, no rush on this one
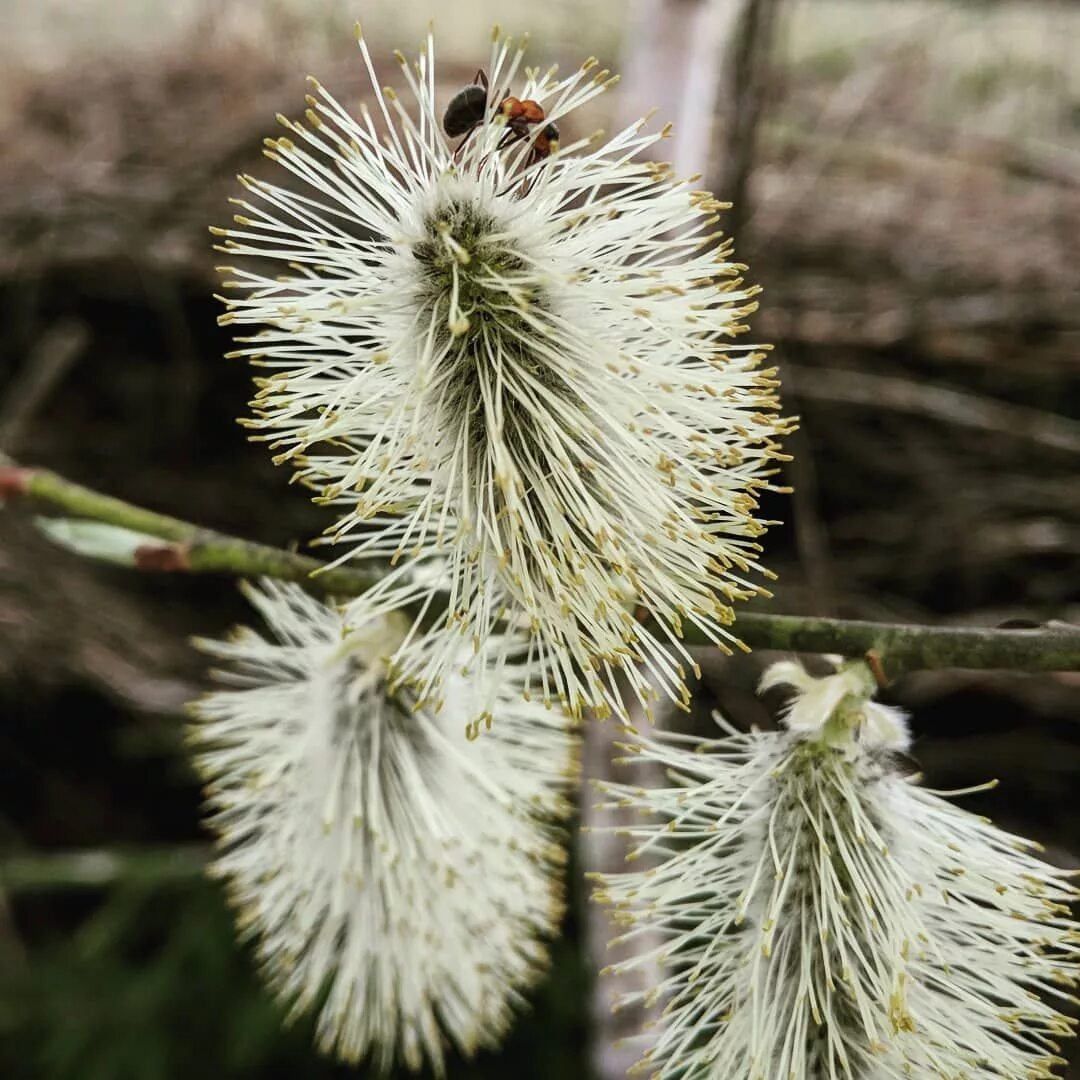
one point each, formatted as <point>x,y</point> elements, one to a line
<point>906,175</point>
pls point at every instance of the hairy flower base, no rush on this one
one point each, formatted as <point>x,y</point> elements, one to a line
<point>824,917</point>
<point>524,369</point>
<point>392,873</point>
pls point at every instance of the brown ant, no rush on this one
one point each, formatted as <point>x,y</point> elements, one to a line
<point>546,142</point>
<point>467,108</point>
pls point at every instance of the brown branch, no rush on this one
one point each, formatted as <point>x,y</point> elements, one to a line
<point>750,69</point>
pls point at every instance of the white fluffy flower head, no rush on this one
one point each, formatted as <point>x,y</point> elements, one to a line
<point>824,917</point>
<point>516,356</point>
<point>390,870</point>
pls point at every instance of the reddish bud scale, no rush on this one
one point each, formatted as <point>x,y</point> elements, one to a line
<point>14,481</point>
<point>165,558</point>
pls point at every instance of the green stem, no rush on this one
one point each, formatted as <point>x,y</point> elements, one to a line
<point>204,551</point>
<point>903,647</point>
<point>94,869</point>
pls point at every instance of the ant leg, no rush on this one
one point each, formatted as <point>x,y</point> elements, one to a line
<point>510,138</point>
<point>528,182</point>
<point>461,145</point>
<point>535,158</point>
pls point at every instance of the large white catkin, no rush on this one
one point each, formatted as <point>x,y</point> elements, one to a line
<point>823,916</point>
<point>396,874</point>
<point>519,369</point>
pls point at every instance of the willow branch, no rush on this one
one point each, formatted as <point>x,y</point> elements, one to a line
<point>906,647</point>
<point>903,647</point>
<point>187,547</point>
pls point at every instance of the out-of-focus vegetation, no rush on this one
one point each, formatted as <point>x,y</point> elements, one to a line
<point>145,980</point>
<point>914,215</point>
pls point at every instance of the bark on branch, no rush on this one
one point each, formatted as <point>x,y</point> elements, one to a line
<point>902,646</point>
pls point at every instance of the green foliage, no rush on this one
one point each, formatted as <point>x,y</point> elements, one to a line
<point>983,83</point>
<point>831,64</point>
<point>147,983</point>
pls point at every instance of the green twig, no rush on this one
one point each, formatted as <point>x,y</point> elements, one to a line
<point>94,869</point>
<point>188,547</point>
<point>903,647</point>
